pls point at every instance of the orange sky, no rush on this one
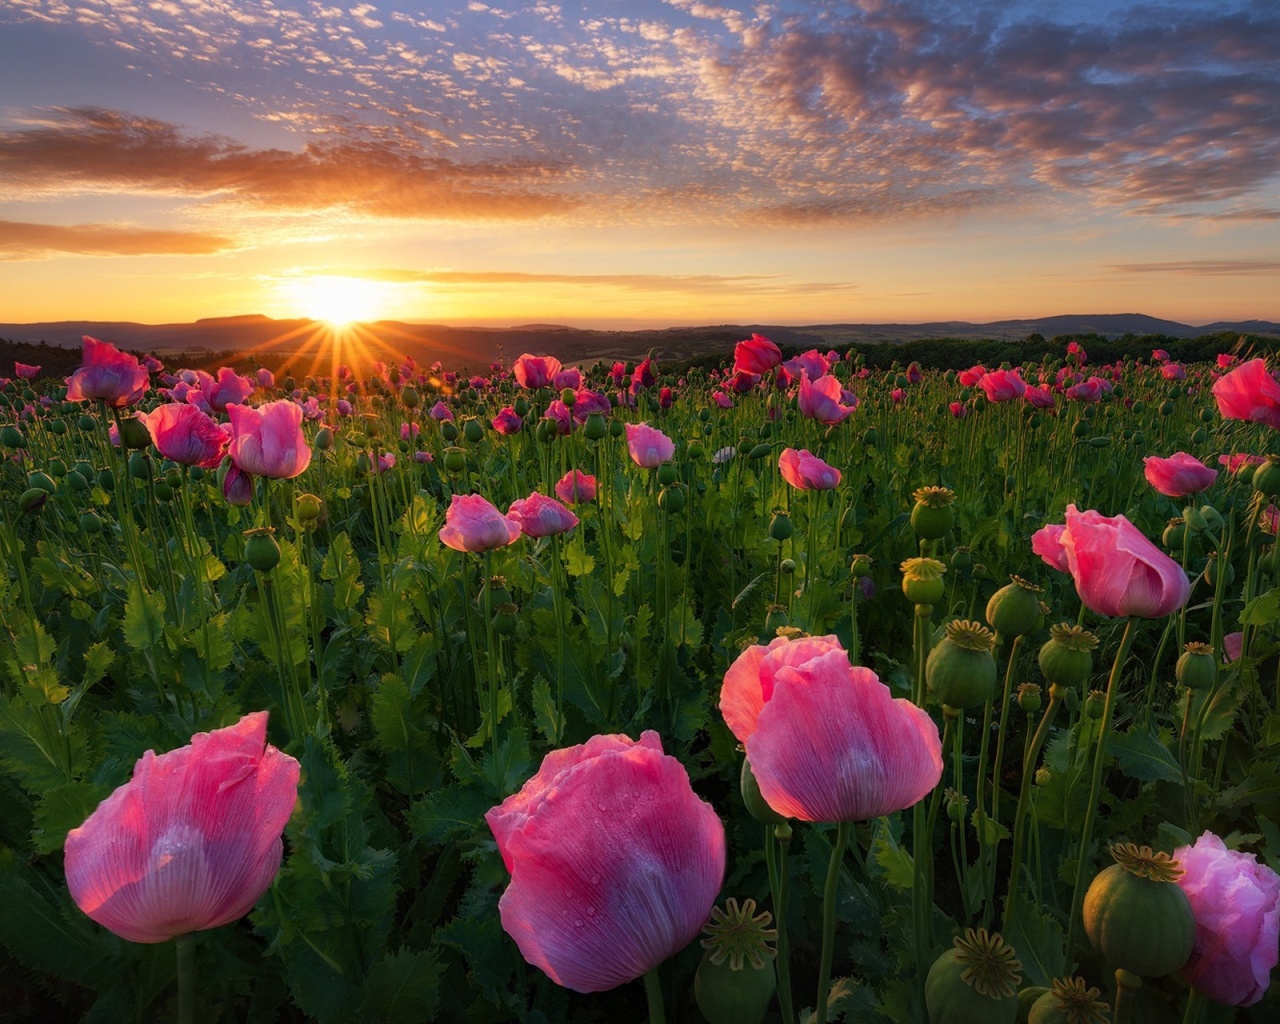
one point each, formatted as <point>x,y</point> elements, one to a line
<point>644,163</point>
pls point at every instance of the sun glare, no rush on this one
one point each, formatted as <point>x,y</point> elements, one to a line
<point>336,300</point>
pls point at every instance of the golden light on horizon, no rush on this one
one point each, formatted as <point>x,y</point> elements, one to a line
<point>336,300</point>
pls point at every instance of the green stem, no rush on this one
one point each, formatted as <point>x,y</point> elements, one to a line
<point>653,991</point>
<point>829,920</point>
<point>1024,796</point>
<point>780,886</point>
<point>185,947</point>
<point>1095,785</point>
<point>1196,1007</point>
<point>1127,985</point>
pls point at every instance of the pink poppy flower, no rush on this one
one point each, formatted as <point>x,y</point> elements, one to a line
<point>540,516</point>
<point>755,356</point>
<point>237,486</point>
<point>559,414</point>
<point>268,441</point>
<point>1249,393</point>
<point>649,446</point>
<point>507,422</point>
<point>609,849</point>
<point>722,400</point>
<point>471,523</point>
<point>1002,385</point>
<point>576,487</point>
<point>1234,461</point>
<point>107,375</point>
<point>1173,371</point>
<point>914,376</point>
<point>821,400</point>
<point>1160,355</point>
<point>408,431</point>
<point>25,371</point>
<point>440,412</point>
<point>1232,646</point>
<point>191,841</point>
<point>1226,360</point>
<point>897,394</point>
<point>1178,475</point>
<point>1116,569</point>
<point>535,371</point>
<point>421,456</point>
<point>1041,397</point>
<point>186,435</point>
<point>643,376</point>
<point>228,388</point>
<point>1236,902</point>
<point>827,741</point>
<point>570,378</point>
<point>970,377</point>
<point>959,410</point>
<point>666,397</point>
<point>266,379</point>
<point>806,471</point>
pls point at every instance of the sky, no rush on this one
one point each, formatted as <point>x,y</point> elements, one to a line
<point>639,163</point>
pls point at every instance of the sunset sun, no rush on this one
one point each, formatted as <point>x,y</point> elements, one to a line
<point>336,300</point>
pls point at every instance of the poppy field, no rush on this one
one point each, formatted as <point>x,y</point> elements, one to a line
<point>788,689</point>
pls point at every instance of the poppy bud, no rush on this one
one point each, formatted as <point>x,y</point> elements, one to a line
<point>473,430</point>
<point>933,515</point>
<point>455,460</point>
<point>1066,658</point>
<point>410,397</point>
<point>861,565</point>
<point>32,500</point>
<point>324,439</point>
<point>448,431</point>
<point>666,474</point>
<point>961,670</point>
<point>671,500</point>
<point>922,581</point>
<point>751,798</point>
<point>1014,609</point>
<point>1196,668</point>
<point>307,507</point>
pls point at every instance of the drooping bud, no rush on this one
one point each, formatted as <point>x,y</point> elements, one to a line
<point>755,802</point>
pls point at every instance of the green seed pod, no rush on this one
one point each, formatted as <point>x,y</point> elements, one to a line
<point>473,430</point>
<point>870,437</point>
<point>976,980</point>
<point>455,460</point>
<point>780,527</point>
<point>506,618</point>
<point>569,397</point>
<point>696,451</point>
<point>962,559</point>
<point>760,450</point>
<point>163,491</point>
<point>617,428</point>
<point>1216,567</point>
<point>521,407</point>
<point>58,427</point>
<point>1066,658</point>
<point>42,480</point>
<point>86,423</point>
<point>12,437</point>
<point>448,431</point>
<point>1197,669</point>
<point>324,439</point>
<point>1069,1001</point>
<point>933,515</point>
<point>1081,429</point>
<point>261,550</point>
<point>787,566</point>
<point>666,474</point>
<point>775,619</point>
<point>922,581</point>
<point>671,499</point>
<point>861,565</point>
<point>139,466</point>
<point>106,480</point>
<point>595,428</point>
<point>961,670</point>
<point>1212,517</point>
<point>1029,698</point>
<point>307,507</point>
<point>1137,916</point>
<point>1101,441</point>
<point>1166,408</point>
<point>1174,535</point>
<point>1014,609</point>
<point>735,982</point>
<point>1095,705</point>
<point>410,397</point>
<point>957,806</point>
<point>90,523</point>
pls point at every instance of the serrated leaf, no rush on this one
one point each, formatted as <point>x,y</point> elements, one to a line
<point>546,719</point>
<point>894,861</point>
<point>1037,939</point>
<point>390,714</point>
<point>61,809</point>
<point>577,561</point>
<point>452,812</point>
<point>143,617</point>
<point>989,831</point>
<point>220,649</point>
<point>1142,756</point>
<point>97,659</point>
<point>403,987</point>
<point>1262,610</point>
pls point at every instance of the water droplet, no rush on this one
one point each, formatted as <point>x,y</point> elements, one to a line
<point>595,879</point>
<point>578,922</point>
<point>591,911</point>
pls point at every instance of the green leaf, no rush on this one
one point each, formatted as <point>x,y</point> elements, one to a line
<point>452,812</point>
<point>1142,756</point>
<point>61,809</point>
<point>403,988</point>
<point>546,719</point>
<point>342,568</point>
<point>220,650</point>
<point>577,561</point>
<point>894,861</point>
<point>1262,610</point>
<point>390,714</point>
<point>97,659</point>
<point>143,617</point>
<point>989,831</point>
<point>1037,938</point>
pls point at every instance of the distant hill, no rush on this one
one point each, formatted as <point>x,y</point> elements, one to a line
<point>309,346</point>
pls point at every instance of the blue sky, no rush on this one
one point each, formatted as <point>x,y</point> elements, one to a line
<point>640,162</point>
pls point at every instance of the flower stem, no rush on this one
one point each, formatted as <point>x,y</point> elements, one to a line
<point>1095,785</point>
<point>185,947</point>
<point>653,991</point>
<point>778,837</point>
<point>1195,1007</point>
<point>1024,797</point>
<point>829,920</point>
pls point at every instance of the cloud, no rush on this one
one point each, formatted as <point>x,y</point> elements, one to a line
<point>1202,268</point>
<point>89,150</point>
<point>696,284</point>
<point>26,241</point>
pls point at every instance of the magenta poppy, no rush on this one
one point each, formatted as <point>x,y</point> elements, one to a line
<point>535,371</point>
<point>1178,475</point>
<point>1249,393</point>
<point>1236,902</point>
<point>826,740</point>
<point>25,371</point>
<point>823,399</point>
<point>806,471</point>
<point>191,841</point>
<point>576,487</point>
<point>540,516</point>
<point>268,441</point>
<point>228,388</point>
<point>649,446</point>
<point>755,356</point>
<point>615,862</point>
<point>186,435</point>
<point>1116,569</point>
<point>507,422</point>
<point>107,375</point>
<point>1002,385</point>
<point>472,523</point>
